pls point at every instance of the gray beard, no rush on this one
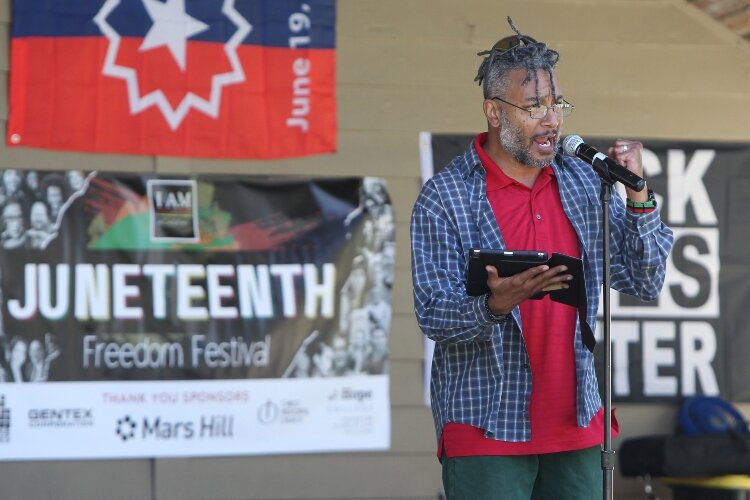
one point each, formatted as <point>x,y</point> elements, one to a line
<point>511,138</point>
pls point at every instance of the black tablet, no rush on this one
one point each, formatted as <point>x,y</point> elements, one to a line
<point>510,262</point>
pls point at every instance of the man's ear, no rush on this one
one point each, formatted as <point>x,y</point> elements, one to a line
<point>492,112</point>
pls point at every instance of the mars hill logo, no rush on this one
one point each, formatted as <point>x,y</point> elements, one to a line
<point>125,428</point>
<point>205,427</point>
<point>172,27</point>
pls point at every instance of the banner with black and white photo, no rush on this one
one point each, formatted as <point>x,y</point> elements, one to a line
<point>695,339</point>
<point>151,317</point>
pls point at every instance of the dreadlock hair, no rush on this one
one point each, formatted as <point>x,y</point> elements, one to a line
<point>529,55</point>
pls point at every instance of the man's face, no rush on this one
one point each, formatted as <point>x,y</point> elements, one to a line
<point>54,196</point>
<point>32,180</point>
<point>36,353</point>
<point>12,180</point>
<point>531,142</point>
<point>38,217</point>
<point>18,353</point>
<point>13,217</point>
<point>75,179</point>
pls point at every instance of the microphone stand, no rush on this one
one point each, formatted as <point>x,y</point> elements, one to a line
<point>608,454</point>
<point>636,183</point>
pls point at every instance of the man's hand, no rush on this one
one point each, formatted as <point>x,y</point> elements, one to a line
<point>629,155</point>
<point>507,293</point>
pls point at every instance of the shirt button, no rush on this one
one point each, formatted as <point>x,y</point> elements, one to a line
<point>525,366</point>
<point>538,216</point>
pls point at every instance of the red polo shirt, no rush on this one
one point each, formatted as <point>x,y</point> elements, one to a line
<point>533,219</point>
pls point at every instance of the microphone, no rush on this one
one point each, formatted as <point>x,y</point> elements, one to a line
<point>607,168</point>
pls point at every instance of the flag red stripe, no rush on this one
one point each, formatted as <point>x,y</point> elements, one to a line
<point>60,99</point>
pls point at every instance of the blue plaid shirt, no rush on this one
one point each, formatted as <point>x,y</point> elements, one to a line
<point>480,368</point>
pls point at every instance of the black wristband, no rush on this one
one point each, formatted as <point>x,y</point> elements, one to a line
<point>496,318</point>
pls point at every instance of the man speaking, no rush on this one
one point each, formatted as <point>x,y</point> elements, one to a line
<point>514,392</point>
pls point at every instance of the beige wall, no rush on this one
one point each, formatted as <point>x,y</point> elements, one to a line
<point>633,68</point>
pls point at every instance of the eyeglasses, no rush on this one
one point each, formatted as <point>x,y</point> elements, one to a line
<point>539,111</point>
<point>501,46</point>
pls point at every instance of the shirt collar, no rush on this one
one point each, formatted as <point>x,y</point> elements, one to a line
<point>496,178</point>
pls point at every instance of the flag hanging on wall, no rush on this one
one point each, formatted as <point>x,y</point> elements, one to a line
<point>210,78</point>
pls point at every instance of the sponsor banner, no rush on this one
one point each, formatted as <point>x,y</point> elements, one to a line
<point>112,279</point>
<point>70,420</point>
<point>693,339</point>
<point>218,78</point>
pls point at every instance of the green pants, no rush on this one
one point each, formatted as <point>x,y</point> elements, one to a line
<point>571,475</point>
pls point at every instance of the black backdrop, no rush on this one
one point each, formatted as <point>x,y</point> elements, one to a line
<point>695,339</point>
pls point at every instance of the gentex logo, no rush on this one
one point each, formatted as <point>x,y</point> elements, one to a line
<point>4,421</point>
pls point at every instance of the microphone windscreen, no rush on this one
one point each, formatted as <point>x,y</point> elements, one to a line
<point>571,143</point>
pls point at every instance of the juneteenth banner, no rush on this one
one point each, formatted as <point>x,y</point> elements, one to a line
<point>695,339</point>
<point>152,317</point>
<point>216,78</point>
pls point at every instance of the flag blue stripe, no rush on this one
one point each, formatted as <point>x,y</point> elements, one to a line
<point>273,21</point>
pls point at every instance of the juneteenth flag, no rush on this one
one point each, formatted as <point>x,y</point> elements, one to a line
<point>201,78</point>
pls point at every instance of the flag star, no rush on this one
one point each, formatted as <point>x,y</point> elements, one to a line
<point>172,27</point>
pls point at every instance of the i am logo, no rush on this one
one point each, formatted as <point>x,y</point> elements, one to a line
<point>174,215</point>
<point>173,200</point>
<point>171,195</point>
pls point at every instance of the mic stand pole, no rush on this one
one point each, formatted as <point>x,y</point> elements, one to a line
<point>608,455</point>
